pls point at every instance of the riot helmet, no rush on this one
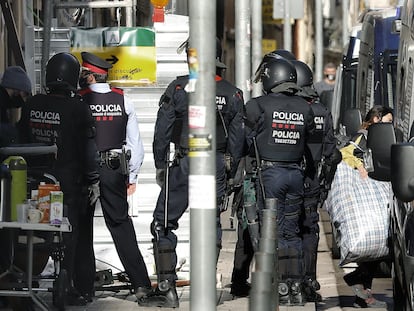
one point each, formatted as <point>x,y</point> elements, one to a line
<point>304,73</point>
<point>270,57</point>
<point>276,72</point>
<point>62,72</point>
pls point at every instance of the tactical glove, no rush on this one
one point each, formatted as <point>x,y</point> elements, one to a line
<point>160,176</point>
<point>94,193</point>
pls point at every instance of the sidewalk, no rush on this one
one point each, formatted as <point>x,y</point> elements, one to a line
<point>123,300</point>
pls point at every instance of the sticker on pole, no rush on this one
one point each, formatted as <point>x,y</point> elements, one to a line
<point>197,116</point>
<point>201,192</point>
<point>199,145</point>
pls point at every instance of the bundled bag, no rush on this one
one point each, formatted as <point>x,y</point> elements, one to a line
<point>358,209</point>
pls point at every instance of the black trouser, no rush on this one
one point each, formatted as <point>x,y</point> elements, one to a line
<point>113,188</point>
<point>165,238</point>
<point>310,226</point>
<point>243,253</point>
<point>73,209</point>
<point>85,265</point>
<point>285,183</point>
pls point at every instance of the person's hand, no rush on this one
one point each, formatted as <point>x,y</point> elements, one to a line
<point>160,176</point>
<point>93,193</point>
<point>131,189</point>
<point>362,172</point>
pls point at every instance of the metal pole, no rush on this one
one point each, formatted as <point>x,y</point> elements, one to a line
<point>345,30</point>
<point>47,23</point>
<point>287,28</point>
<point>243,70</point>
<point>319,40</point>
<point>202,155</point>
<point>257,34</point>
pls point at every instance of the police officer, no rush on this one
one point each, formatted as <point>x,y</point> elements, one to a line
<point>321,146</point>
<point>278,126</point>
<point>60,117</point>
<point>121,154</point>
<point>229,138</point>
<point>172,126</point>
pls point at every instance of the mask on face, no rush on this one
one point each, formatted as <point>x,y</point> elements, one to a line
<point>15,101</point>
<point>331,77</point>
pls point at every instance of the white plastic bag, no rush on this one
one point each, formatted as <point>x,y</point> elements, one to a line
<point>358,208</point>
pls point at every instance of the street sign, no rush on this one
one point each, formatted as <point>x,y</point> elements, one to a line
<point>296,8</point>
<point>130,50</point>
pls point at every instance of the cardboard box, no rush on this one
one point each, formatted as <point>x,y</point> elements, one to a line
<point>56,207</point>
<point>44,199</point>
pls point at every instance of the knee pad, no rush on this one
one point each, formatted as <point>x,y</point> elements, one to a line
<point>290,264</point>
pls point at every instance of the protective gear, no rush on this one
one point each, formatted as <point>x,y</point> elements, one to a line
<point>219,52</point>
<point>162,299</point>
<point>304,73</point>
<point>94,193</point>
<point>160,176</point>
<point>62,72</point>
<point>110,134</point>
<point>15,102</point>
<point>277,72</point>
<point>276,142</point>
<point>269,57</point>
<point>251,212</point>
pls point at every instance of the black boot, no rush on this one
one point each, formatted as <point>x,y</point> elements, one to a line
<point>165,298</point>
<point>310,288</point>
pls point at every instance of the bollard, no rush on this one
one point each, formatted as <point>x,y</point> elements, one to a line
<point>264,295</point>
<point>261,293</point>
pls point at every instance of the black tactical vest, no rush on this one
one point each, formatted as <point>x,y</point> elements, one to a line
<point>225,93</point>
<point>315,141</point>
<point>179,97</point>
<point>108,110</point>
<point>282,137</point>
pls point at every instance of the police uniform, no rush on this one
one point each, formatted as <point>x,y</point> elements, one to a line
<point>229,141</point>
<point>280,123</point>
<point>321,145</point>
<point>117,127</point>
<point>172,127</point>
<point>67,122</point>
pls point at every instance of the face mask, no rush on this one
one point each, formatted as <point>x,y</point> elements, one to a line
<point>331,77</point>
<point>15,102</point>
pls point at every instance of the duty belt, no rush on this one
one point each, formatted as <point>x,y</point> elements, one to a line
<point>266,164</point>
<point>112,159</point>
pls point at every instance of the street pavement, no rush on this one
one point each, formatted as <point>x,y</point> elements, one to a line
<point>335,294</point>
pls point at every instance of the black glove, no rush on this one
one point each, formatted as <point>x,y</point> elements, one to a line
<point>160,176</point>
<point>94,193</point>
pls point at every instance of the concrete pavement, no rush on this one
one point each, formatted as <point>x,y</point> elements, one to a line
<point>333,290</point>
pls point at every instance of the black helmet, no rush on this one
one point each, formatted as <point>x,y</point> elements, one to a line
<point>270,57</point>
<point>304,73</point>
<point>276,72</point>
<point>62,72</point>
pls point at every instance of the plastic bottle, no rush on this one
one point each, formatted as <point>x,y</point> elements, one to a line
<point>18,170</point>
<point>5,184</point>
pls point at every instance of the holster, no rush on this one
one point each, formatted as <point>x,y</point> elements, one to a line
<point>125,156</point>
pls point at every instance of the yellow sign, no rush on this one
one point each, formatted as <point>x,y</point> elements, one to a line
<point>132,65</point>
<point>130,50</point>
<point>268,45</point>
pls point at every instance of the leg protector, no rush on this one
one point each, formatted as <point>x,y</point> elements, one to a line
<point>253,224</point>
<point>165,264</point>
